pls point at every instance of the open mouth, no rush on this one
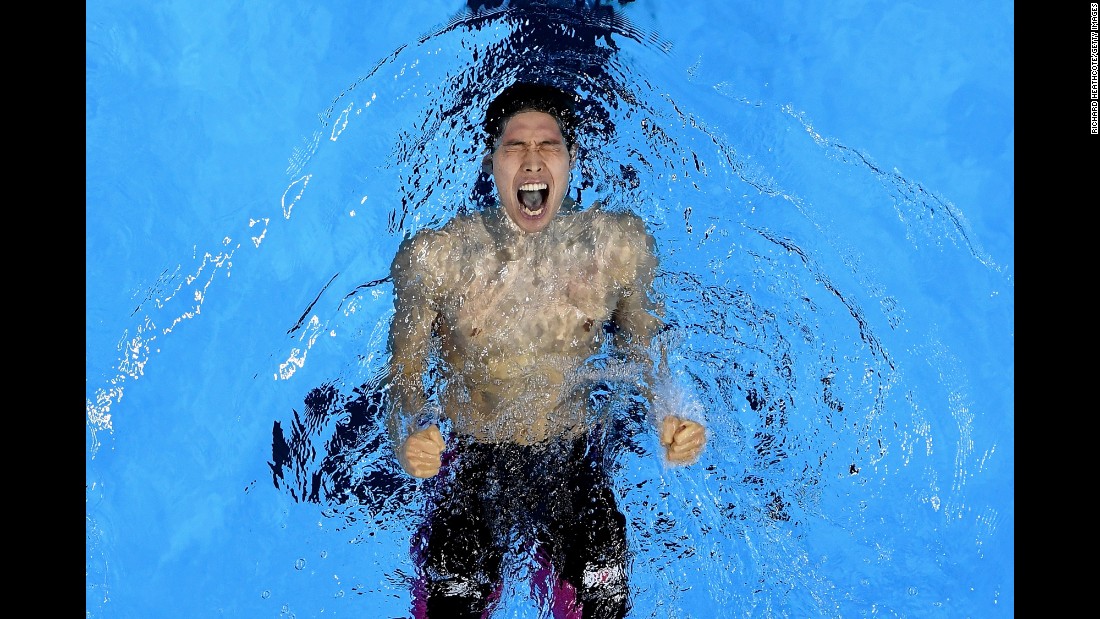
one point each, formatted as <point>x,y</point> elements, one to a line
<point>532,197</point>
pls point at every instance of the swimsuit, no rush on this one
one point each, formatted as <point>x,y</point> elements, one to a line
<point>556,497</point>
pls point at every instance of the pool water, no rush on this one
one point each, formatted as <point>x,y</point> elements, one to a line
<point>831,189</point>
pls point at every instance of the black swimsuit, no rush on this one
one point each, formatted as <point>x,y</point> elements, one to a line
<point>555,496</point>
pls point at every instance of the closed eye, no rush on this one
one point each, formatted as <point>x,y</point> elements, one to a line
<point>549,146</point>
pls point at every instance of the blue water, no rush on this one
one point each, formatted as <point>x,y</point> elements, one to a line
<point>831,188</point>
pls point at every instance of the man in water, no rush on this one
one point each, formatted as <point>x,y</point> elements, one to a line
<point>499,316</point>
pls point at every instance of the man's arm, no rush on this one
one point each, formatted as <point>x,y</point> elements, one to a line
<point>638,321</point>
<point>418,450</point>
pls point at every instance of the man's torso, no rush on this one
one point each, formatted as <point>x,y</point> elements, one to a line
<point>520,316</point>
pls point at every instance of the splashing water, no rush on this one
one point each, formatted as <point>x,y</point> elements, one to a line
<point>846,436</point>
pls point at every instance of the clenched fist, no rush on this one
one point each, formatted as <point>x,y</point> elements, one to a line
<point>421,454</point>
<point>683,439</point>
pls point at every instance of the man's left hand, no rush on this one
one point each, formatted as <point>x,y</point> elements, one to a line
<point>683,439</point>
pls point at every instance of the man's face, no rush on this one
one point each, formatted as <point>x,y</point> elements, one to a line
<point>531,169</point>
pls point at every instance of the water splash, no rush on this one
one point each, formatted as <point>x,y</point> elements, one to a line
<point>824,389</point>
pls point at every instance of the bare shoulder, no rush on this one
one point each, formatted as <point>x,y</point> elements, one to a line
<point>635,231</point>
<point>628,248</point>
<point>415,252</point>
<point>622,227</point>
<point>429,244</point>
<point>427,256</point>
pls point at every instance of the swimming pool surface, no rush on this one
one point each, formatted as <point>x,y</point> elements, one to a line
<point>831,189</point>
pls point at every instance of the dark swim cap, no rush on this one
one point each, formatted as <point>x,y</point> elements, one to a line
<point>530,97</point>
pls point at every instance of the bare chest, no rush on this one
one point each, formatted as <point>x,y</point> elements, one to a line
<point>541,302</point>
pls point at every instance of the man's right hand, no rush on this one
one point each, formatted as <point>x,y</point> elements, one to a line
<point>421,454</point>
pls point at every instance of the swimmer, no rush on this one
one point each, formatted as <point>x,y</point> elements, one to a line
<point>513,301</point>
